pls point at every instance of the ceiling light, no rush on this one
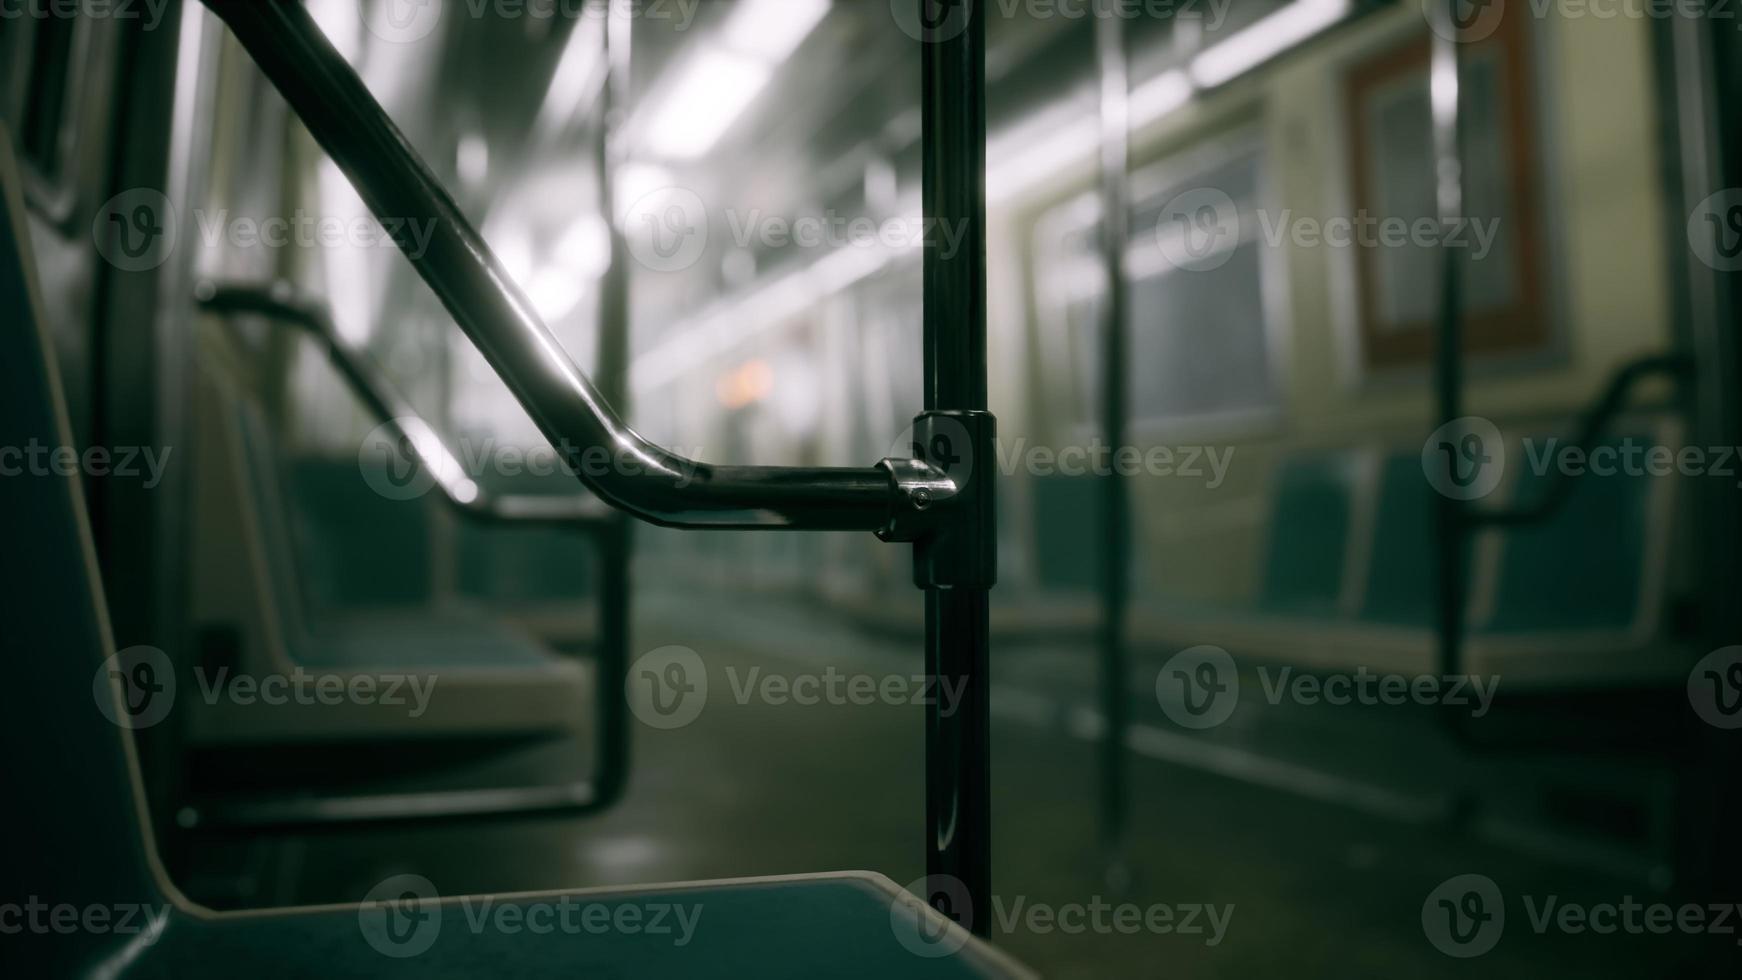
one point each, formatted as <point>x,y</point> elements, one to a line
<point>771,30</point>
<point>713,90</point>
<point>1269,37</point>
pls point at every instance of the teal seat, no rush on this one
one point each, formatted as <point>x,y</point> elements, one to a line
<point>326,634</point>
<point>823,926</point>
<point>354,546</point>
<point>1067,513</point>
<point>521,565</point>
<point>505,564</point>
<point>1311,517</point>
<point>1582,569</point>
<point>77,834</point>
<point>1402,584</point>
<point>418,640</point>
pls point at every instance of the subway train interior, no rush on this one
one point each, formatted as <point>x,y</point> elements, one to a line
<point>899,488</point>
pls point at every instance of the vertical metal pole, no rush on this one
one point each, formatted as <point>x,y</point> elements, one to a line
<point>1115,536</point>
<point>1445,95</point>
<point>613,339</point>
<point>956,565</point>
<point>1699,58</point>
<point>615,541</point>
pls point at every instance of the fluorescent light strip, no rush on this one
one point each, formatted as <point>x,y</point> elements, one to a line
<point>1269,37</point>
<point>577,76</point>
<point>719,81</point>
<point>771,30</point>
<point>1029,158</point>
<point>1025,162</point>
<point>1159,96</point>
<point>1073,139</point>
<point>713,91</point>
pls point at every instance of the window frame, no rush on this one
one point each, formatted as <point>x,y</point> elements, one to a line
<point>1198,154</point>
<point>1526,328</point>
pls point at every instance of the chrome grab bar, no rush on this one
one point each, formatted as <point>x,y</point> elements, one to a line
<point>661,487</point>
<point>946,508</point>
<point>279,304</point>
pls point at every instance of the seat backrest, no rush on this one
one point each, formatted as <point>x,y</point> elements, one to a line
<point>263,486</point>
<point>1312,518</point>
<point>1402,580</point>
<point>328,539</point>
<point>295,518</point>
<point>73,820</point>
<point>356,546</point>
<point>1588,566</point>
<point>239,587</point>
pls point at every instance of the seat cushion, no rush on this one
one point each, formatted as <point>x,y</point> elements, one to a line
<point>838,926</point>
<point>412,639</point>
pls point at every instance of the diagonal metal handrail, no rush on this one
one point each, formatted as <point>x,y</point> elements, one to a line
<point>940,499</point>
<point>279,304</point>
<point>652,482</point>
<point>1611,403</point>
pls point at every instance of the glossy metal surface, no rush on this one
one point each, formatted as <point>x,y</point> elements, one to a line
<point>958,568</point>
<point>1705,61</point>
<point>643,479</point>
<point>955,545</point>
<point>1115,533</point>
<point>278,304</point>
<point>1444,84</point>
<point>954,127</point>
<point>615,540</point>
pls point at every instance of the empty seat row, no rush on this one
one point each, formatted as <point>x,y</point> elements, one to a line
<point>1348,573</point>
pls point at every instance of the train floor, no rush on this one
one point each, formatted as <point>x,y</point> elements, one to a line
<point>1290,841</point>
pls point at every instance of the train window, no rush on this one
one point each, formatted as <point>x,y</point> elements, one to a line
<point>1067,293</point>
<point>886,384</point>
<point>1200,326</point>
<point>1392,178</point>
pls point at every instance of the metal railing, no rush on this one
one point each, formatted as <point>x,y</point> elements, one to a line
<point>278,304</point>
<point>938,500</point>
<point>281,305</point>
